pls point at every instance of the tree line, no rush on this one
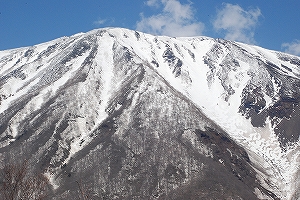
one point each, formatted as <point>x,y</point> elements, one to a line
<point>17,182</point>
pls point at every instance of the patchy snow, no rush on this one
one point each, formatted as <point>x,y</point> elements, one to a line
<point>210,96</point>
<point>210,99</point>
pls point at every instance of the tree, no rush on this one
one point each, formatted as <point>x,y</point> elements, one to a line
<point>16,183</point>
<point>83,192</point>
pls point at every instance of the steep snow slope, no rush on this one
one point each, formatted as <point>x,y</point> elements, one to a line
<point>57,95</point>
<point>215,74</point>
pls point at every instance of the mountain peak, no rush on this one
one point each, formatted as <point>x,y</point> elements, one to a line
<point>143,116</point>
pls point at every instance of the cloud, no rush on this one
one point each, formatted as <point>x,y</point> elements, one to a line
<point>100,22</point>
<point>292,48</point>
<point>237,23</point>
<point>152,3</point>
<point>175,19</point>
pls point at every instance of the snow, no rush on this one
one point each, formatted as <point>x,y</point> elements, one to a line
<point>104,62</point>
<point>261,143</point>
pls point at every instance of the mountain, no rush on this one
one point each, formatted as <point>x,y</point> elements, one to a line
<point>136,116</point>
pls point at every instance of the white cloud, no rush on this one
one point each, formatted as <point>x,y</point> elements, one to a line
<point>237,23</point>
<point>100,22</point>
<point>153,3</point>
<point>175,19</point>
<point>292,48</point>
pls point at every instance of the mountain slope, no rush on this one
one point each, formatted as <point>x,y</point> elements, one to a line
<point>140,116</point>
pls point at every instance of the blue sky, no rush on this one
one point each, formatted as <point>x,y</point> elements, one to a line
<point>271,24</point>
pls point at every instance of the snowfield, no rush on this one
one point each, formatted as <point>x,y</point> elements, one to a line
<point>219,77</point>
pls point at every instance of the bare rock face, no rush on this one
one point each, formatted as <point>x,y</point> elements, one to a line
<point>126,115</point>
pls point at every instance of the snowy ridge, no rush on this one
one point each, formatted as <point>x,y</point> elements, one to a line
<point>218,76</point>
<point>214,100</point>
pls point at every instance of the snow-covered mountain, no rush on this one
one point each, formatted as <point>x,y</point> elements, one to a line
<point>137,116</point>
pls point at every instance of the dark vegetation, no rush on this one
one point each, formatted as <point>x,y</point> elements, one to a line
<point>17,182</point>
